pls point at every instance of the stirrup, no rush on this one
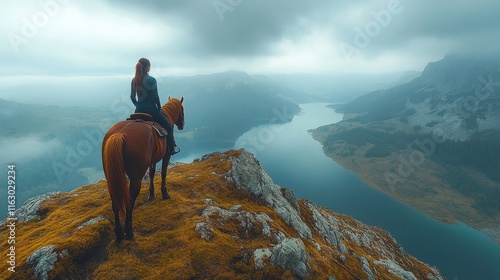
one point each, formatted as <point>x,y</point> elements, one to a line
<point>175,151</point>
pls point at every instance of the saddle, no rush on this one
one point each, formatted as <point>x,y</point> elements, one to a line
<point>148,119</point>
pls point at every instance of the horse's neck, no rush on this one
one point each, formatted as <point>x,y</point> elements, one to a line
<point>169,112</point>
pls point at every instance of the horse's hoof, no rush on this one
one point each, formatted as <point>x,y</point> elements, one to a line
<point>151,198</point>
<point>129,236</point>
<point>165,197</point>
<point>119,239</point>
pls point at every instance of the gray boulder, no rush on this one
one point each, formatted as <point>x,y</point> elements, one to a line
<point>395,269</point>
<point>29,210</point>
<point>248,221</point>
<point>366,268</point>
<point>43,261</point>
<point>205,231</point>
<point>291,254</point>
<point>259,257</point>
<point>328,227</point>
<point>91,222</point>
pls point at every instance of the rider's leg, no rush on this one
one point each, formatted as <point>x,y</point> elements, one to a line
<point>160,118</point>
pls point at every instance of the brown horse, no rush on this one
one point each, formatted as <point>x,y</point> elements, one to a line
<point>129,148</point>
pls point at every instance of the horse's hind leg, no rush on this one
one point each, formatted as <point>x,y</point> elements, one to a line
<point>151,182</point>
<point>118,226</point>
<point>135,188</point>
<point>164,165</point>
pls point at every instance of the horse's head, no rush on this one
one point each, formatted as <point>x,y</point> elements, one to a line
<point>180,119</point>
<point>174,111</point>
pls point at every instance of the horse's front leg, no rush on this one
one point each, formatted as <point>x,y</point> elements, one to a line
<point>135,189</point>
<point>164,165</point>
<point>151,181</point>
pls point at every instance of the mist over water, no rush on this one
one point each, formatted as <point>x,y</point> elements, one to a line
<point>18,150</point>
<point>82,91</point>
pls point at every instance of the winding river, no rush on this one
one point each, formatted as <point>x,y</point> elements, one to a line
<point>295,160</point>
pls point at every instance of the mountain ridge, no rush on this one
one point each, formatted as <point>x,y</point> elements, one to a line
<point>455,79</point>
<point>226,219</point>
<point>428,143</point>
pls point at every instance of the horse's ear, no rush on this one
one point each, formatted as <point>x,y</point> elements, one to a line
<point>182,99</point>
<point>169,98</point>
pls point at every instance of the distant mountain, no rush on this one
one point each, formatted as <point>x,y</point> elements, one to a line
<point>458,95</point>
<point>220,107</point>
<point>433,142</point>
<point>19,119</point>
<point>407,77</point>
<point>340,87</point>
<point>226,220</point>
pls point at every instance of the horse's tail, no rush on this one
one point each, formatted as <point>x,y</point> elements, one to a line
<point>114,170</point>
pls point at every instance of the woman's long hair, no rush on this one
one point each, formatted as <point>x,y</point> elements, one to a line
<point>141,69</point>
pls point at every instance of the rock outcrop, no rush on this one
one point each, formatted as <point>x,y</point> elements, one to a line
<point>249,176</point>
<point>43,261</point>
<point>29,211</point>
<point>226,219</point>
<point>291,254</point>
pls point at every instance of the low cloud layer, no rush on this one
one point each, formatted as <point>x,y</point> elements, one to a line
<point>24,149</point>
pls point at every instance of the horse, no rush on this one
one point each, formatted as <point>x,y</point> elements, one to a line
<point>129,148</point>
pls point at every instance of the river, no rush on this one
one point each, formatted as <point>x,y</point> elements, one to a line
<point>295,160</point>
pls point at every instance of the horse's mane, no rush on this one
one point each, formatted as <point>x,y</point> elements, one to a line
<point>172,108</point>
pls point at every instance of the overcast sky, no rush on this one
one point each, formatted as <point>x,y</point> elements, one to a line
<point>185,37</point>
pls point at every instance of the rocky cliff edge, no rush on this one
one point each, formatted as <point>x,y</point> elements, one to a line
<point>226,220</point>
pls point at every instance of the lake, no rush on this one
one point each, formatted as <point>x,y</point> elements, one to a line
<point>295,160</point>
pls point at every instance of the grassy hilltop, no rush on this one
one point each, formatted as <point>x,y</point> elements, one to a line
<point>226,220</point>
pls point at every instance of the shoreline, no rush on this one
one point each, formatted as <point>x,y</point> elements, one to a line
<point>436,199</point>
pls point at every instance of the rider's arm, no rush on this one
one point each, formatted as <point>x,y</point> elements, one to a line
<point>156,98</point>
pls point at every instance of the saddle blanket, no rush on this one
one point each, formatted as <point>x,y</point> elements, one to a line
<point>146,118</point>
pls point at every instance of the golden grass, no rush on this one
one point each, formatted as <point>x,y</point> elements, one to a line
<point>166,245</point>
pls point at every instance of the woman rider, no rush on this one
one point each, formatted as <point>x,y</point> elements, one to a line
<point>145,88</point>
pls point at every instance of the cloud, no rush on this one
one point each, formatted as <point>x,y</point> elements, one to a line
<point>23,149</point>
<point>246,28</point>
<point>91,41</point>
<point>107,37</point>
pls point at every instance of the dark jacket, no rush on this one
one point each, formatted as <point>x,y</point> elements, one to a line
<point>147,96</point>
